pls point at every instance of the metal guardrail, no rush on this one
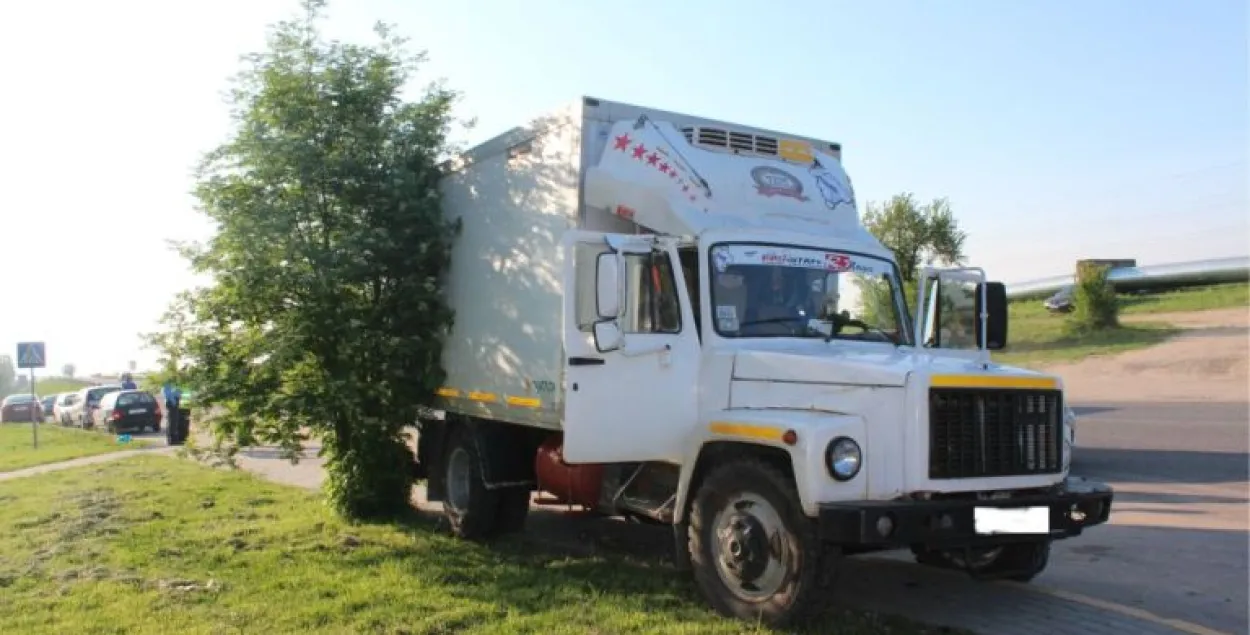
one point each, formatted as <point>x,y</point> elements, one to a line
<point>1173,275</point>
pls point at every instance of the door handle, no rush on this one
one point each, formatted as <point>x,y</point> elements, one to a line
<point>585,361</point>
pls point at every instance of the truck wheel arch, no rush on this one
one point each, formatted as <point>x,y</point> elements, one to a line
<point>721,451</point>
<point>506,452</point>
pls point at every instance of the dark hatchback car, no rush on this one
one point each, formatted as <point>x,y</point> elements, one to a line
<point>20,407</point>
<point>48,402</point>
<point>125,410</point>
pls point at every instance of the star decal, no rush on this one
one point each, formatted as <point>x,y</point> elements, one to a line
<point>622,142</point>
<point>639,150</point>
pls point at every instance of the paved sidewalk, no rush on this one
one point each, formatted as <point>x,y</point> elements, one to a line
<point>885,584</point>
<point>86,460</point>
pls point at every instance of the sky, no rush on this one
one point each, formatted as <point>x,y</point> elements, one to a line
<point>1057,130</point>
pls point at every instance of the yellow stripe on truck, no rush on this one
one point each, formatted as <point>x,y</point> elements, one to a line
<point>489,397</point>
<point>524,402</point>
<point>770,433</point>
<point>993,381</point>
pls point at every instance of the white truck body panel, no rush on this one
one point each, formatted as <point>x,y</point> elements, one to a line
<point>520,192</point>
<point>534,197</point>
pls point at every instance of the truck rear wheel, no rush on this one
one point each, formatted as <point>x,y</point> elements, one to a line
<point>512,510</point>
<point>469,506</point>
<point>754,553</point>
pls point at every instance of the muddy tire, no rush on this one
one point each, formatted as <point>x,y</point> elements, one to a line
<point>470,507</point>
<point>512,510</point>
<point>753,553</point>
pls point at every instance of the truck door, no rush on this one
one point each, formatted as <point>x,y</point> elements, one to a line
<point>631,348</point>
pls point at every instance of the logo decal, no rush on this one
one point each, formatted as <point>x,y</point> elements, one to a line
<point>837,262</point>
<point>770,181</point>
<point>831,189</point>
<point>723,259</point>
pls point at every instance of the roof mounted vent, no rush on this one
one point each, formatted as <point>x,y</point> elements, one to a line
<point>720,139</point>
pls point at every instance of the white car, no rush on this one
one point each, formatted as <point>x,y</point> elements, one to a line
<point>87,400</point>
<point>62,406</point>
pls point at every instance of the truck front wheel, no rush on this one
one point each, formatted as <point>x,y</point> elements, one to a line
<point>469,506</point>
<point>754,553</point>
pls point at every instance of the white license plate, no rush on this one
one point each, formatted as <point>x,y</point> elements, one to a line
<point>1016,520</point>
<point>137,411</point>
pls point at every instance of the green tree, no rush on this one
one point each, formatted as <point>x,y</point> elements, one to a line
<point>918,234</point>
<point>325,316</point>
<point>1096,306</point>
<point>8,376</point>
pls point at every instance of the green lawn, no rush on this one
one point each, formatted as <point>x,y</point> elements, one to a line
<point>1218,296</point>
<point>57,385</point>
<point>1037,337</point>
<point>55,444</point>
<point>155,544</point>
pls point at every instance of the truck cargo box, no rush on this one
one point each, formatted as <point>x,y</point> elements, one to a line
<point>518,193</point>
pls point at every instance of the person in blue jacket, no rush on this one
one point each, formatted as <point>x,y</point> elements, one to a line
<point>173,401</point>
<point>128,383</point>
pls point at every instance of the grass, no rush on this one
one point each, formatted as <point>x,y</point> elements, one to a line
<point>1216,296</point>
<point>56,385</point>
<point>154,544</point>
<point>55,444</point>
<point>1037,337</point>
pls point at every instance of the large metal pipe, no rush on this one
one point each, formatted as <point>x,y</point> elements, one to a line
<point>1151,277</point>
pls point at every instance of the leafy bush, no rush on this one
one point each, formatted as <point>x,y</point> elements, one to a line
<point>1096,306</point>
<point>326,316</point>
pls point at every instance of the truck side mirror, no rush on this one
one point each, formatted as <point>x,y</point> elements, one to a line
<point>996,319</point>
<point>608,286</point>
<point>608,336</point>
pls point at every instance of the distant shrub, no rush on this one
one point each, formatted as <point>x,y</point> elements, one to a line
<point>1096,305</point>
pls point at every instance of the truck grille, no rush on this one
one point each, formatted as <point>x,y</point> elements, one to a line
<point>994,432</point>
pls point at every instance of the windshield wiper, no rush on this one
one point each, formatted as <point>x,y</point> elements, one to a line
<point>835,327</point>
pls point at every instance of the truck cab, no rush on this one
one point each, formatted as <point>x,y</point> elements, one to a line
<point>741,362</point>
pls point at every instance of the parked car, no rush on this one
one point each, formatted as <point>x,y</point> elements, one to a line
<point>1060,302</point>
<point>61,410</point>
<point>20,407</point>
<point>125,410</point>
<point>87,402</point>
<point>47,404</point>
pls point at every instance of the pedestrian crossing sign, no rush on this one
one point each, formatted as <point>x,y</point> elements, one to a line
<point>30,355</point>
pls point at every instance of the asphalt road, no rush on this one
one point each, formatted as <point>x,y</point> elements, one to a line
<point>1176,544</point>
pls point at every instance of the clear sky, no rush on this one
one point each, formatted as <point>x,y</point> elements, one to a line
<point>1058,129</point>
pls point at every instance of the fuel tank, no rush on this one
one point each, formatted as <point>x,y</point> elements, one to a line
<point>569,484</point>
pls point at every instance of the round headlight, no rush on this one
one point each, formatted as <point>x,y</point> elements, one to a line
<point>843,458</point>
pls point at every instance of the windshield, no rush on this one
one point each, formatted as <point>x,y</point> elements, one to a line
<point>94,395</point>
<point>774,291</point>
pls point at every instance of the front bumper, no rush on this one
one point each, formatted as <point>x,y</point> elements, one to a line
<point>1072,506</point>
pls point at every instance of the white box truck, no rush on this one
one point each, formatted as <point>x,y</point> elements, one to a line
<point>683,321</point>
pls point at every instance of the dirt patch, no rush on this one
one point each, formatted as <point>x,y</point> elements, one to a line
<point>1208,361</point>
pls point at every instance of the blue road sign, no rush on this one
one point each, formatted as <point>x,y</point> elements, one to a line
<point>31,355</point>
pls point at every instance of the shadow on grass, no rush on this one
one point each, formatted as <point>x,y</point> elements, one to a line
<point>630,565</point>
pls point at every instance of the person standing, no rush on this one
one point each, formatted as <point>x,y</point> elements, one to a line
<point>173,410</point>
<point>128,383</point>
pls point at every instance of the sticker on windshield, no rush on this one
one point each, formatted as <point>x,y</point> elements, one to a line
<point>726,317</point>
<point>799,258</point>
